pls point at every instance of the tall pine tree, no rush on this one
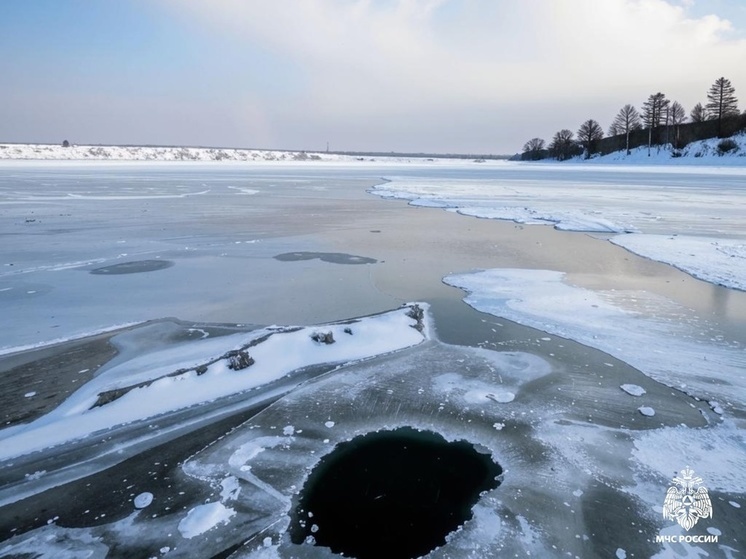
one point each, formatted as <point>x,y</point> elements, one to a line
<point>721,102</point>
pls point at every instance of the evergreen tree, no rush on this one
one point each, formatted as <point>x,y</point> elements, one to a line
<point>626,120</point>
<point>588,133</point>
<point>722,102</point>
<point>653,112</point>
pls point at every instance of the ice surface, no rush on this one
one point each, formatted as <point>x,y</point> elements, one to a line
<point>689,217</point>
<point>202,518</point>
<point>717,261</point>
<point>668,344</point>
<point>279,354</point>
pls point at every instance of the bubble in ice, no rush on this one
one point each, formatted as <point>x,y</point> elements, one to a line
<point>143,500</point>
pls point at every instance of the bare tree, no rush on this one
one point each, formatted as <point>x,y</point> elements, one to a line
<point>588,134</point>
<point>626,120</point>
<point>563,145</point>
<point>721,102</point>
<point>699,113</point>
<point>533,148</point>
<point>677,117</point>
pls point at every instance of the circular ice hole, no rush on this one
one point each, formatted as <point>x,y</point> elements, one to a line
<point>394,494</point>
<point>135,267</point>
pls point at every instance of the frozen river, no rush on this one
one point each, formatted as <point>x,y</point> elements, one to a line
<point>601,348</point>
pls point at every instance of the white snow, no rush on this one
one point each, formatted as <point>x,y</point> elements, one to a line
<point>647,411</point>
<point>701,152</point>
<point>667,342</point>
<point>718,261</point>
<point>202,518</point>
<point>689,217</point>
<point>633,389</point>
<point>717,454</point>
<point>278,355</point>
<point>621,553</point>
<point>141,153</point>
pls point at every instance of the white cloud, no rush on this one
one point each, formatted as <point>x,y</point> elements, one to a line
<point>415,59</point>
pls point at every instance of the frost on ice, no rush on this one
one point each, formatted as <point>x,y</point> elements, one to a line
<point>202,518</point>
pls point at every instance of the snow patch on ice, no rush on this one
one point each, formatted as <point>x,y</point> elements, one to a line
<point>718,261</point>
<point>647,411</point>
<point>202,518</point>
<point>666,342</point>
<point>230,488</point>
<point>717,454</point>
<point>276,356</point>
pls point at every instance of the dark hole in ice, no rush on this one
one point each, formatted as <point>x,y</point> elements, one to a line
<point>331,257</point>
<point>394,494</point>
<point>134,267</point>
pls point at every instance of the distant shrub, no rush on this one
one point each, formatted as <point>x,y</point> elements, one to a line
<point>726,146</point>
<point>65,144</point>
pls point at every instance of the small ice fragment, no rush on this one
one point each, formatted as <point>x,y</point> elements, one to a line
<point>646,411</point>
<point>715,406</point>
<point>165,550</point>
<point>714,531</point>
<point>267,542</point>
<point>499,426</point>
<point>289,430</point>
<point>329,424</point>
<point>620,553</point>
<point>546,339</point>
<point>29,394</point>
<point>577,492</point>
<point>633,389</point>
<point>734,504</point>
<point>143,500</point>
<point>314,528</point>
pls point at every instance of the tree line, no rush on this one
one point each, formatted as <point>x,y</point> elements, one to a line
<point>660,121</point>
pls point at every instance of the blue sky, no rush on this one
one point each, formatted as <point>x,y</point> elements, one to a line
<point>478,76</point>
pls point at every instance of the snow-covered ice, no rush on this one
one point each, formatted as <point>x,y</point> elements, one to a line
<point>690,217</point>
<point>202,518</point>
<point>670,345</point>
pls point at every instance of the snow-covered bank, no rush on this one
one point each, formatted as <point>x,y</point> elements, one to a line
<point>701,152</point>
<point>191,374</point>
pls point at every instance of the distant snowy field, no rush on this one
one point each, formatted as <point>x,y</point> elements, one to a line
<point>143,153</point>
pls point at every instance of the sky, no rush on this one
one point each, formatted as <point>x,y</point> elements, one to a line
<point>438,76</point>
